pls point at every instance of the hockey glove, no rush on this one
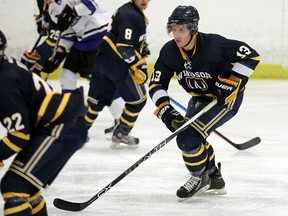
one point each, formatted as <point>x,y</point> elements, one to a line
<point>226,90</point>
<point>138,72</point>
<point>29,59</point>
<point>65,18</point>
<point>53,63</point>
<point>145,52</point>
<point>42,25</point>
<point>170,117</point>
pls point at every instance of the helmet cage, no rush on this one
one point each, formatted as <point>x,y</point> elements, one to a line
<point>192,27</point>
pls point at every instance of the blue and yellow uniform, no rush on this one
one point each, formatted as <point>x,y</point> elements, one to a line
<point>121,66</point>
<point>197,72</point>
<point>44,129</point>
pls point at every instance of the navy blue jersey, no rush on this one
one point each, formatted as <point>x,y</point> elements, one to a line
<point>198,69</point>
<point>127,35</point>
<point>27,102</point>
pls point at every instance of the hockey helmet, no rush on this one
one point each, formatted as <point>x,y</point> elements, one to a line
<point>184,15</point>
<point>3,43</point>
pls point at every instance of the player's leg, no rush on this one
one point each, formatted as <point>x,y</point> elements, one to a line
<point>198,155</point>
<point>116,110</point>
<point>21,198</point>
<point>69,73</point>
<point>100,94</point>
<point>41,161</point>
<point>135,98</point>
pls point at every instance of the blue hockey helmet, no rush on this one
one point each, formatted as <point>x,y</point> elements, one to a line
<point>184,15</point>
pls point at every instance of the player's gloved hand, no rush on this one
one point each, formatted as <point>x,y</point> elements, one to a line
<point>170,117</point>
<point>53,63</point>
<point>42,25</point>
<point>138,72</point>
<point>29,59</point>
<point>65,18</point>
<point>226,90</point>
<point>145,52</point>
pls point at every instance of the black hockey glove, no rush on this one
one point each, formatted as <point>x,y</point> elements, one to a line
<point>145,52</point>
<point>65,18</point>
<point>138,72</point>
<point>42,25</point>
<point>29,59</point>
<point>53,63</point>
<point>170,117</point>
<point>226,90</point>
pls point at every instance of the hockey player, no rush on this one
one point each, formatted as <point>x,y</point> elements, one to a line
<point>83,24</point>
<point>206,66</point>
<point>36,59</point>
<point>121,66</point>
<point>44,129</point>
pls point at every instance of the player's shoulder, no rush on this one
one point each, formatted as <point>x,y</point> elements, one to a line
<point>169,47</point>
<point>128,10</point>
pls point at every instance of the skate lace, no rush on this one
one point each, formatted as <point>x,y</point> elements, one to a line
<point>191,183</point>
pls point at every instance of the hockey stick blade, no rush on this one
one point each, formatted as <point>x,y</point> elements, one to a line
<point>76,206</point>
<point>241,146</point>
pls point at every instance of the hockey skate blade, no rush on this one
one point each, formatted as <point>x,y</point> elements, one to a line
<point>201,191</point>
<point>215,192</point>
<point>123,146</point>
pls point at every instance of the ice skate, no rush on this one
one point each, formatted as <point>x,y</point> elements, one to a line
<point>194,186</point>
<point>119,138</point>
<point>217,186</point>
<point>109,131</point>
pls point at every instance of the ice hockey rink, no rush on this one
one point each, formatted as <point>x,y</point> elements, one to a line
<point>256,178</point>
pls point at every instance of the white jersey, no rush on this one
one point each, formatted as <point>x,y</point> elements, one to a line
<point>87,28</point>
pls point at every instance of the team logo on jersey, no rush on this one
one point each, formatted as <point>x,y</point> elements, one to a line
<point>196,83</point>
<point>188,65</point>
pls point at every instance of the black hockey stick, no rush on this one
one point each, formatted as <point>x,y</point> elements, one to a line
<point>36,43</point>
<point>75,206</point>
<point>240,146</point>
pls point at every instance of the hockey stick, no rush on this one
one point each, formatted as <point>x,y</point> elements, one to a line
<point>75,206</point>
<point>36,43</point>
<point>241,146</point>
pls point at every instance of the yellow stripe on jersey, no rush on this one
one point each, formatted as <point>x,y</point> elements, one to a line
<point>153,86</point>
<point>44,106</point>
<point>124,45</point>
<point>11,145</point>
<point>50,43</point>
<point>20,135</point>
<point>61,107</point>
<point>256,58</point>
<point>112,45</point>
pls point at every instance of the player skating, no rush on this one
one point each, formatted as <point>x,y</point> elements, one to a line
<point>207,66</point>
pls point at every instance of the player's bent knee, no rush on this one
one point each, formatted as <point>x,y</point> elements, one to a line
<point>188,140</point>
<point>135,108</point>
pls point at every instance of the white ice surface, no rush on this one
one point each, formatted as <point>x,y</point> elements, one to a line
<point>256,179</point>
